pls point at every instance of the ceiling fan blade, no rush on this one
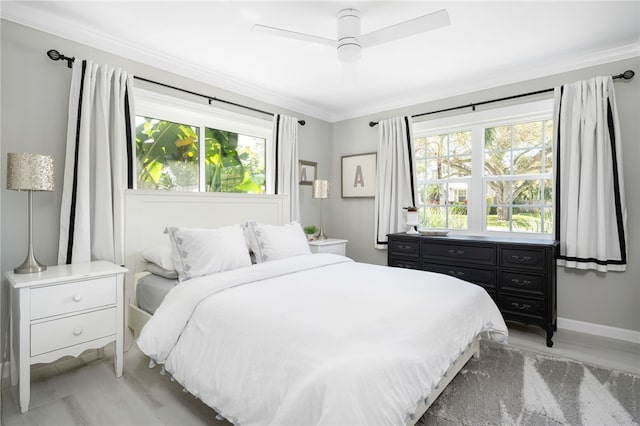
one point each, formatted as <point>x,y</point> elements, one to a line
<point>414,26</point>
<point>293,34</point>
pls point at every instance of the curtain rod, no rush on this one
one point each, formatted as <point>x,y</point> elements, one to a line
<point>54,55</point>
<point>627,75</point>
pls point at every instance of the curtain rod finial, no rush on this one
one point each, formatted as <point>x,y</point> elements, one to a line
<point>373,123</point>
<point>628,74</point>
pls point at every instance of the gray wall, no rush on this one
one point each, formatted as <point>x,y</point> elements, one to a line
<point>34,113</point>
<point>35,93</point>
<point>608,299</point>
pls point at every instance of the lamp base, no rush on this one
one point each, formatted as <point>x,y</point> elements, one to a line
<point>30,266</point>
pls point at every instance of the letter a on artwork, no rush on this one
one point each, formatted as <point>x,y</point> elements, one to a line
<point>359,179</point>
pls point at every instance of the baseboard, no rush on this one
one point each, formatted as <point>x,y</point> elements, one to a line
<point>600,330</point>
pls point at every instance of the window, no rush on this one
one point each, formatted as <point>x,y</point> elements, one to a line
<point>487,172</point>
<point>184,146</point>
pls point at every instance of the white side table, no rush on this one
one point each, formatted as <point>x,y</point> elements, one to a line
<point>330,245</point>
<point>64,310</point>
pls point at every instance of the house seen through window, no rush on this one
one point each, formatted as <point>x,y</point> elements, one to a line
<point>183,146</point>
<point>488,171</point>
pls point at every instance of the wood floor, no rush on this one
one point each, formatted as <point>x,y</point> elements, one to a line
<point>84,391</point>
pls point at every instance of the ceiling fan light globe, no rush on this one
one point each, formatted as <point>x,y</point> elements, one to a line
<point>349,53</point>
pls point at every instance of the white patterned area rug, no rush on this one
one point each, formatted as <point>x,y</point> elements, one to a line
<point>509,386</point>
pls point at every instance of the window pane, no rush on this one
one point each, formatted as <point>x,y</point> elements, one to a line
<point>419,146</point>
<point>460,143</point>
<point>527,135</point>
<point>166,154</point>
<point>497,138</point>
<point>233,162</point>
<point>460,166</point>
<point>497,163</point>
<point>547,196</point>
<point>527,161</point>
<point>437,146</point>
<point>421,169</point>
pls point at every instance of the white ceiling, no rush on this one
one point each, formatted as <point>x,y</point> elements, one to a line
<point>487,44</point>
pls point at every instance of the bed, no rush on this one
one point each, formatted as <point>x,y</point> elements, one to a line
<point>318,339</point>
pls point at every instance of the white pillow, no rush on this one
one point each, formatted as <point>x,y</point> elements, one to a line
<point>161,256</point>
<point>198,252</point>
<point>272,242</point>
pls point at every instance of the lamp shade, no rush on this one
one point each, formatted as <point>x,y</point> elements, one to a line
<point>320,189</point>
<point>29,172</point>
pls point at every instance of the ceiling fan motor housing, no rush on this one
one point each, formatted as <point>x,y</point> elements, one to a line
<point>349,48</point>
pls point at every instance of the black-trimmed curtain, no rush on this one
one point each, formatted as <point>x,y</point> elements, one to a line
<point>591,214</point>
<point>285,162</point>
<point>98,166</point>
<point>396,183</point>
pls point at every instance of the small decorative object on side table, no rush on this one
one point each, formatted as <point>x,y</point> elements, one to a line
<point>329,245</point>
<point>62,311</point>
<point>412,219</point>
<point>310,231</point>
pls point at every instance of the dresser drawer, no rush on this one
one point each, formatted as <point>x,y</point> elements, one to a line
<point>516,281</point>
<point>72,297</point>
<point>522,258</point>
<point>332,249</point>
<point>61,333</point>
<point>482,277</point>
<point>404,248</point>
<point>521,306</point>
<point>481,255</point>
<point>404,263</point>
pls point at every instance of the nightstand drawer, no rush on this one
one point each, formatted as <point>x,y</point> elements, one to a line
<point>329,248</point>
<point>57,334</point>
<point>75,296</point>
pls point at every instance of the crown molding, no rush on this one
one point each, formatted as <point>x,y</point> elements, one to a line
<point>456,88</point>
<point>22,13</point>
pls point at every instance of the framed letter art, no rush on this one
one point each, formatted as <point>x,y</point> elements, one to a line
<point>359,175</point>
<point>307,172</point>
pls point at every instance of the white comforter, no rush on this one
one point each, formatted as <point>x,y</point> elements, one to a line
<point>316,339</point>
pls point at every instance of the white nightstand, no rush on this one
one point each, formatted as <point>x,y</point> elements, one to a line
<point>64,310</point>
<point>330,245</point>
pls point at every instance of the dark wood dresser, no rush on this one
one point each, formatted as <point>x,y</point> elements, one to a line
<point>519,274</point>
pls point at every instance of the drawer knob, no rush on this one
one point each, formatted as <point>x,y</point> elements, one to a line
<point>520,282</point>
<point>77,297</point>
<point>522,307</point>
<point>77,331</point>
<point>520,258</point>
<point>456,252</point>
<point>456,273</point>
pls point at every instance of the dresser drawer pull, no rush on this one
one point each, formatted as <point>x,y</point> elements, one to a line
<point>522,307</point>
<point>456,273</point>
<point>520,283</point>
<point>456,252</point>
<point>403,247</point>
<point>77,331</point>
<point>520,258</point>
<point>406,266</point>
<point>77,297</point>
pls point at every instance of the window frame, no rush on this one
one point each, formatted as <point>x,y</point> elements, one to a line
<point>169,108</point>
<point>477,122</point>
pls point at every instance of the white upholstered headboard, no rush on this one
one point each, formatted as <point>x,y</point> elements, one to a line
<point>148,213</point>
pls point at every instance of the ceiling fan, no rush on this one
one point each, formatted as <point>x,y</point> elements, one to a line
<point>350,42</point>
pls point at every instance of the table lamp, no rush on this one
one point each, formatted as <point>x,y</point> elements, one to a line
<point>321,191</point>
<point>30,172</point>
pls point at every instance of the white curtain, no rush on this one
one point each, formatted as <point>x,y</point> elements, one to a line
<point>285,162</point>
<point>97,164</point>
<point>396,184</point>
<point>591,215</point>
